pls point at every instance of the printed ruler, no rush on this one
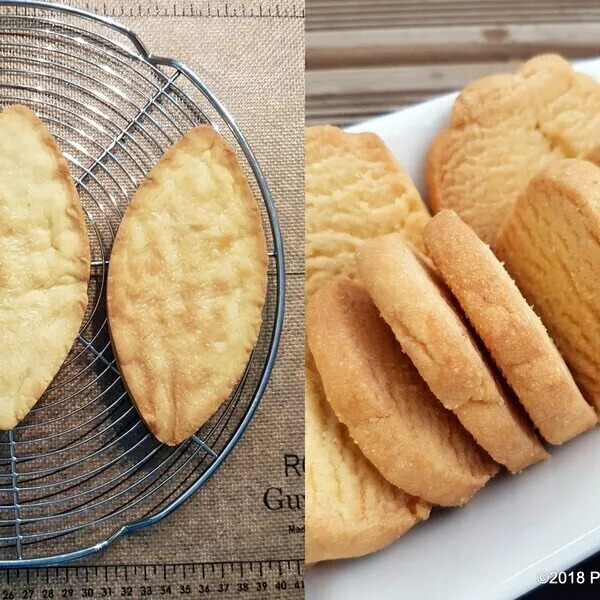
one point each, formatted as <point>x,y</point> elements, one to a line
<point>198,8</point>
<point>239,579</point>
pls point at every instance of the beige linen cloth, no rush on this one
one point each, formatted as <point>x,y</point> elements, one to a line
<point>251,55</point>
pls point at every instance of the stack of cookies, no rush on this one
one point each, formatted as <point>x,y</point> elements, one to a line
<point>434,360</point>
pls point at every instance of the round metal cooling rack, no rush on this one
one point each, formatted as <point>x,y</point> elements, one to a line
<point>82,469</point>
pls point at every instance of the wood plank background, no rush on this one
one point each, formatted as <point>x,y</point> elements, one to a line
<point>365,58</point>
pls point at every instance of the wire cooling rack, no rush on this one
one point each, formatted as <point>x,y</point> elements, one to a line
<point>82,469</point>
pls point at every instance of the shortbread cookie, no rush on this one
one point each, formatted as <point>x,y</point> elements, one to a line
<point>186,285</point>
<point>511,331</point>
<point>373,388</point>
<point>355,190</point>
<point>351,509</point>
<point>44,262</point>
<point>503,130</point>
<point>551,246</point>
<point>435,336</point>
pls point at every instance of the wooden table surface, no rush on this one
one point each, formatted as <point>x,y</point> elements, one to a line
<point>365,58</point>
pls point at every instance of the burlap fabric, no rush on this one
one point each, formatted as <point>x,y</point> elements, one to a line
<point>251,54</point>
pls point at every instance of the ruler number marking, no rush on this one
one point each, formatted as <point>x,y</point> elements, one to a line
<point>222,579</point>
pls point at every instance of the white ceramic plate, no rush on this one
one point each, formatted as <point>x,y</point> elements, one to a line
<point>545,519</point>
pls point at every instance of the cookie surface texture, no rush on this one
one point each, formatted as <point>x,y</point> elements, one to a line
<point>434,334</point>
<point>513,334</point>
<point>44,262</point>
<point>550,244</point>
<point>355,190</point>
<point>504,129</point>
<point>351,509</point>
<point>186,285</point>
<point>374,389</point>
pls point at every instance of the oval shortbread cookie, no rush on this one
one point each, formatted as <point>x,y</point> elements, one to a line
<point>436,338</point>
<point>374,389</point>
<point>355,190</point>
<point>186,285</point>
<point>351,509</point>
<point>551,246</point>
<point>44,262</point>
<point>511,331</point>
<point>503,130</point>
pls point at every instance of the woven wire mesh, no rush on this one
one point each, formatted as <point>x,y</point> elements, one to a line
<point>82,468</point>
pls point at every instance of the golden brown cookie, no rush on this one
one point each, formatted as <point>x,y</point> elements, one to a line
<point>433,333</point>
<point>186,285</point>
<point>44,262</point>
<point>351,509</point>
<point>503,130</point>
<point>511,331</point>
<point>374,389</point>
<point>550,244</point>
<point>355,190</point>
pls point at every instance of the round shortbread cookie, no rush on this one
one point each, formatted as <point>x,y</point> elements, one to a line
<point>504,129</point>
<point>435,336</point>
<point>355,190</point>
<point>374,389</point>
<point>351,509</point>
<point>513,334</point>
<point>551,246</point>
